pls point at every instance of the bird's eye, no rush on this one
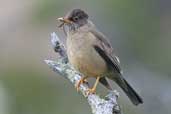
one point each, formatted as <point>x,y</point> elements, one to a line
<point>75,18</point>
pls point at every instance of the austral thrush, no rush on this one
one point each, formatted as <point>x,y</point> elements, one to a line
<point>90,52</point>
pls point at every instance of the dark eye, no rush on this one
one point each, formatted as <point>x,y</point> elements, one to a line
<point>75,18</point>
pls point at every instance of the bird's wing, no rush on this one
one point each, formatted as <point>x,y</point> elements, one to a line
<point>105,50</point>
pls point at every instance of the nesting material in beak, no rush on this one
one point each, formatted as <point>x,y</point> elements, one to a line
<point>64,20</point>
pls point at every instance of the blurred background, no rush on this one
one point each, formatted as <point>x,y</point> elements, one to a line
<point>140,32</point>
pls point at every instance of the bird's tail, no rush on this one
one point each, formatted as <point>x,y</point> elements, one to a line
<point>130,92</point>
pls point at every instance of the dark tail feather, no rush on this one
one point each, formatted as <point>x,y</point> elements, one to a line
<point>130,92</point>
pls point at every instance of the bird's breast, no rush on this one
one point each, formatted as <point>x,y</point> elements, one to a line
<point>83,56</point>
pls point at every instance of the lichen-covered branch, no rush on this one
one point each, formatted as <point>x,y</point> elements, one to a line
<point>108,105</point>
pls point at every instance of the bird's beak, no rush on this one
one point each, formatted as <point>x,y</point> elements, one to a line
<point>64,20</point>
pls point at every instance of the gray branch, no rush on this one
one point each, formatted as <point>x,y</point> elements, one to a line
<point>108,105</point>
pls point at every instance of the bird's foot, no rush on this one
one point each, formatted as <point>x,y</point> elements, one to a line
<point>81,81</point>
<point>90,91</point>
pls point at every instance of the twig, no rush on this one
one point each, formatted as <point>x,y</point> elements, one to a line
<point>108,105</point>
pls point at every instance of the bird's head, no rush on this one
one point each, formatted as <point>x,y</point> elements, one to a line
<point>74,19</point>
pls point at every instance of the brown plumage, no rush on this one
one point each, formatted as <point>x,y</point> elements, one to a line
<point>91,54</point>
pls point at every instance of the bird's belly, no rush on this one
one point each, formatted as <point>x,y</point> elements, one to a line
<point>87,61</point>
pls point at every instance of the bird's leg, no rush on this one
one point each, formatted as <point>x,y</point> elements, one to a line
<point>81,81</point>
<point>92,90</point>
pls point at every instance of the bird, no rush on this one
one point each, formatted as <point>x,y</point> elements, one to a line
<point>90,52</point>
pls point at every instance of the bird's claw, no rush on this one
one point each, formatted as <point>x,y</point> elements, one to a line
<point>90,91</point>
<point>81,81</point>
